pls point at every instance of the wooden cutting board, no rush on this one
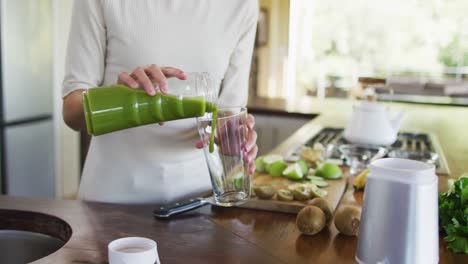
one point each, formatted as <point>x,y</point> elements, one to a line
<point>335,192</point>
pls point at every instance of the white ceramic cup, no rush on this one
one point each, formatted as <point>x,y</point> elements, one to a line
<point>399,221</point>
<point>133,250</point>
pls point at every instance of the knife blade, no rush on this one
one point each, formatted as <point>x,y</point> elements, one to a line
<point>167,211</point>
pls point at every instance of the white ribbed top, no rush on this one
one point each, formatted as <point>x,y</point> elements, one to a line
<point>154,164</point>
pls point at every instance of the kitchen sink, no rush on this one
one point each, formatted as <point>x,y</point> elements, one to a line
<point>28,236</point>
<point>18,246</point>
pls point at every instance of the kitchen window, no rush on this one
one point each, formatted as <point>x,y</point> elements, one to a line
<point>418,47</point>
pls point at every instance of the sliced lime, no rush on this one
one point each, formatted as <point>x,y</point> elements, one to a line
<point>311,178</point>
<point>238,182</point>
<point>329,171</point>
<point>304,166</point>
<point>320,183</point>
<point>293,171</point>
<point>276,168</point>
<point>260,165</point>
<point>270,159</point>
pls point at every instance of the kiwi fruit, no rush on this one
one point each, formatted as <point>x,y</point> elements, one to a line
<point>302,193</point>
<point>347,220</point>
<point>264,192</point>
<point>324,205</point>
<point>284,195</point>
<point>316,192</point>
<point>310,220</point>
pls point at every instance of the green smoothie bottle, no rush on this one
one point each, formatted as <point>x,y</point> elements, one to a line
<point>118,107</point>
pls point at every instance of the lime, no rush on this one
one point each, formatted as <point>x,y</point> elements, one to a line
<point>238,182</point>
<point>311,178</point>
<point>270,159</point>
<point>259,165</point>
<point>293,171</point>
<point>320,183</point>
<point>276,168</point>
<point>304,166</point>
<point>329,171</point>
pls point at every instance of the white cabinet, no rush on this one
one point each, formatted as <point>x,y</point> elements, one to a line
<point>273,129</point>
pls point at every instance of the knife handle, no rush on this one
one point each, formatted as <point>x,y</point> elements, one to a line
<point>167,211</point>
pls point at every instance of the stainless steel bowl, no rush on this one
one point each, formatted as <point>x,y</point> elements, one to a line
<point>357,157</point>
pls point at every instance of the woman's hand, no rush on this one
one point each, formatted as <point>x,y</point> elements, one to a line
<point>146,77</point>
<point>251,147</point>
<point>233,130</point>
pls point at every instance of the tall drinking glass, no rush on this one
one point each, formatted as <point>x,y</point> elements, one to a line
<point>228,171</point>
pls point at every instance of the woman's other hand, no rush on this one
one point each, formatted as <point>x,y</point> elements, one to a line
<point>250,147</point>
<point>146,77</point>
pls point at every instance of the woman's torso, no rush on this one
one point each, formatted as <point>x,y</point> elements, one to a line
<point>159,164</point>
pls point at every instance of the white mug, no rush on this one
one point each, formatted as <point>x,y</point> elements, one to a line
<point>133,250</point>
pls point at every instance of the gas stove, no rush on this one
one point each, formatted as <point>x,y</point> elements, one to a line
<point>417,146</point>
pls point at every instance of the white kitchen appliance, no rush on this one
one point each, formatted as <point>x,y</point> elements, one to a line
<point>371,124</point>
<point>399,221</point>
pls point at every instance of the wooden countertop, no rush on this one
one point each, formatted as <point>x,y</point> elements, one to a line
<point>207,235</point>
<point>233,235</point>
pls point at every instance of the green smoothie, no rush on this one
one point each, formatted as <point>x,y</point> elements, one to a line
<point>214,122</point>
<point>113,108</point>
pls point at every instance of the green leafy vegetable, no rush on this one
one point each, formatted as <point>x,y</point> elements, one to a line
<point>453,215</point>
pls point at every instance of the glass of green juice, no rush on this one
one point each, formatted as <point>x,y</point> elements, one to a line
<point>225,158</point>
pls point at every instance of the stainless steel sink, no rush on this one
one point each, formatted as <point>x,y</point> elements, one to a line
<point>29,236</point>
<point>18,246</point>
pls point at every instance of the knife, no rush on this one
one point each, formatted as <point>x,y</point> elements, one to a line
<point>167,211</point>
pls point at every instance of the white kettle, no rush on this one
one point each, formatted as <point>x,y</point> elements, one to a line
<point>371,124</point>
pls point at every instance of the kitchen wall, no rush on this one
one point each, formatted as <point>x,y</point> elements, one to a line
<point>67,162</point>
<point>272,57</point>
